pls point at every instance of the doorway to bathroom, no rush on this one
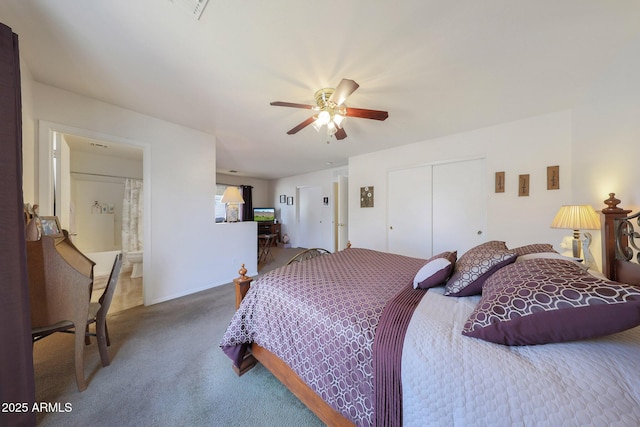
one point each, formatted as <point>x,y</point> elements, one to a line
<point>98,196</point>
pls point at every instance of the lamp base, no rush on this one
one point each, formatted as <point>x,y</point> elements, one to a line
<point>232,212</point>
<point>575,244</point>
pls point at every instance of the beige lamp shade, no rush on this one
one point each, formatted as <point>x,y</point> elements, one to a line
<point>232,195</point>
<point>577,217</point>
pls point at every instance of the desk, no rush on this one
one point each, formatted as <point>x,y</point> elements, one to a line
<point>264,246</point>
<point>270,228</point>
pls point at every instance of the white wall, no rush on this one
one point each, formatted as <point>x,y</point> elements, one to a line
<point>606,146</point>
<point>87,187</point>
<point>287,214</point>
<point>185,251</point>
<point>522,147</point>
<point>102,164</point>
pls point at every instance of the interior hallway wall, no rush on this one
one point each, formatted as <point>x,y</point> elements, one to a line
<point>180,188</point>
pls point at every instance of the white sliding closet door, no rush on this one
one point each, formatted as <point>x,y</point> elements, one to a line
<point>459,205</point>
<point>409,212</point>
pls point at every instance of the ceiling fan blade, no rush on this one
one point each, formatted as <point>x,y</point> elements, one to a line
<point>345,88</point>
<point>340,134</point>
<point>367,114</point>
<point>291,104</point>
<point>301,125</point>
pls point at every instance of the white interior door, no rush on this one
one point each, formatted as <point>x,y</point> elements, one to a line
<point>310,217</point>
<point>459,205</point>
<point>409,212</point>
<point>343,212</point>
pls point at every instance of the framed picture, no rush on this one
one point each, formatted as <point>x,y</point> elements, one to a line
<point>283,198</point>
<point>290,200</point>
<point>50,226</point>
<point>366,197</point>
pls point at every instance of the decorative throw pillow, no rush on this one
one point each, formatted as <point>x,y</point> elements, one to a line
<point>436,271</point>
<point>534,249</point>
<point>543,300</point>
<point>475,266</point>
<point>553,255</point>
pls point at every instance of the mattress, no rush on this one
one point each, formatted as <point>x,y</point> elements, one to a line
<point>449,379</point>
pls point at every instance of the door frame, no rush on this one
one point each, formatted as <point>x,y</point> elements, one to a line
<point>340,213</point>
<point>44,178</point>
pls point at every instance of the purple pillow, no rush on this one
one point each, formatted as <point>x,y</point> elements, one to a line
<point>543,300</point>
<point>436,271</point>
<point>534,248</point>
<point>477,265</point>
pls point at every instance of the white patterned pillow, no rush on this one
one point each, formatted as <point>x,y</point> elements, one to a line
<point>436,271</point>
<point>475,266</point>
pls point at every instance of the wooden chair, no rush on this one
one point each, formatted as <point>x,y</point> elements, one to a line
<point>98,312</point>
<point>265,241</point>
<point>60,283</point>
<point>60,280</point>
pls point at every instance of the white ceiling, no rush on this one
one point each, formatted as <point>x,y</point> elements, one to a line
<point>438,66</point>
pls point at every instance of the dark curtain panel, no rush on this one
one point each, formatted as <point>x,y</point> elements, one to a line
<point>16,357</point>
<point>247,208</point>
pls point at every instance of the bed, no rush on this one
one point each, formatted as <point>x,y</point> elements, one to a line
<point>497,336</point>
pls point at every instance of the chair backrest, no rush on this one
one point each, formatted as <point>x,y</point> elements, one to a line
<point>107,295</point>
<point>59,282</point>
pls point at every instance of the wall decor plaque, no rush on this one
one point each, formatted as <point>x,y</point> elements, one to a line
<point>523,185</point>
<point>499,182</point>
<point>553,177</point>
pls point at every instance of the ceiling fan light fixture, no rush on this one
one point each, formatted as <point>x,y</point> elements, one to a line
<point>324,117</point>
<point>331,128</point>
<point>316,125</point>
<point>331,111</point>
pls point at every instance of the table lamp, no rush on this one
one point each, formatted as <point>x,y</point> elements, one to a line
<point>576,218</point>
<point>232,197</point>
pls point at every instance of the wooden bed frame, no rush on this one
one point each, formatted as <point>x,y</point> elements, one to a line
<point>281,370</point>
<point>617,253</point>
<point>616,265</point>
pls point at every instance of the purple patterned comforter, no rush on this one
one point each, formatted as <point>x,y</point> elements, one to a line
<point>320,317</point>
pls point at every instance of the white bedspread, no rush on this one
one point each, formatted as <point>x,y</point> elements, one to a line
<point>452,380</point>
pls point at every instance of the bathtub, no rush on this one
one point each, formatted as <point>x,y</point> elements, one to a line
<point>104,262</point>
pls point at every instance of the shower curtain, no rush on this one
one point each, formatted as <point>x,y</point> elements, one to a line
<point>132,223</point>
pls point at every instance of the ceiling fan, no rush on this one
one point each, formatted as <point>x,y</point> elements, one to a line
<point>331,111</point>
